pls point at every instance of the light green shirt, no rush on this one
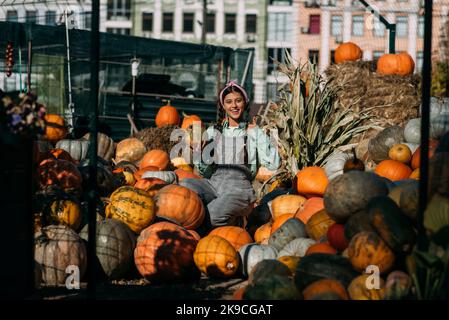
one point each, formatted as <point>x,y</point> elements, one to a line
<point>259,149</point>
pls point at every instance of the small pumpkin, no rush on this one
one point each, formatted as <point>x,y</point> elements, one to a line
<point>412,131</point>
<point>280,221</point>
<point>393,170</point>
<point>105,145</point>
<point>167,116</point>
<point>416,158</point>
<point>335,164</point>
<point>180,204</point>
<point>336,237</point>
<point>347,51</point>
<point>156,158</point>
<point>130,149</point>
<point>236,236</point>
<point>132,206</point>
<point>358,289</point>
<point>288,231</point>
<point>318,224</point>
<point>401,64</point>
<point>367,248</point>
<point>216,257</point>
<point>55,127</point>
<point>311,207</point>
<point>398,286</point>
<point>76,148</point>
<point>311,181</point>
<point>251,254</point>
<point>189,120</point>
<point>263,233</point>
<point>400,152</point>
<point>67,212</point>
<point>325,286</point>
<point>286,204</point>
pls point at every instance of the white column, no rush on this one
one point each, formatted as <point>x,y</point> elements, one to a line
<point>157,19</point>
<point>325,36</point>
<point>198,27</point>
<point>295,38</point>
<point>178,20</point>
<point>219,16</point>
<point>367,55</point>
<point>347,21</point>
<point>240,29</point>
<point>412,34</point>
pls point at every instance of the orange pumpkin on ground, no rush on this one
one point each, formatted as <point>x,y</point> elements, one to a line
<point>311,181</point>
<point>167,116</point>
<point>325,286</point>
<point>236,236</point>
<point>396,64</point>
<point>311,206</point>
<point>321,248</point>
<point>56,128</point>
<point>263,233</point>
<point>156,158</point>
<point>280,221</point>
<point>347,51</point>
<point>400,152</point>
<point>393,170</point>
<point>216,257</point>
<point>181,205</point>
<point>416,158</point>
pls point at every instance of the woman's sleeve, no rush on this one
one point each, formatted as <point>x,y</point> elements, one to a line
<point>267,154</point>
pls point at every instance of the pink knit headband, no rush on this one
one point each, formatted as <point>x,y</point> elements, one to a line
<point>233,84</point>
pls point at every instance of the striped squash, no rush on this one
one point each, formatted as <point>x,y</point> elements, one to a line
<point>131,206</point>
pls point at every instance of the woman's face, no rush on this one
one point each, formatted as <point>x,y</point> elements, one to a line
<point>234,105</point>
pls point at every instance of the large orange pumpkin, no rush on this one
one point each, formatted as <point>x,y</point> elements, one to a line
<point>311,181</point>
<point>188,121</point>
<point>155,158</point>
<point>167,116</point>
<point>416,158</point>
<point>165,254</point>
<point>55,128</point>
<point>347,51</point>
<point>62,173</point>
<point>216,257</point>
<point>181,205</point>
<point>396,64</point>
<point>286,203</point>
<point>393,170</point>
<point>236,236</point>
<point>311,206</point>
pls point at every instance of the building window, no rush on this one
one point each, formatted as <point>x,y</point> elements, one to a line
<point>187,25</point>
<point>11,15</point>
<point>314,56</point>
<point>251,23</point>
<point>421,27</point>
<point>281,2</point>
<point>210,23</point>
<point>123,31</point>
<point>401,26</point>
<point>147,21</point>
<point>50,18</point>
<point>419,60</point>
<point>357,25</point>
<point>279,26</point>
<point>230,19</point>
<point>337,25</point>
<point>167,22</point>
<point>314,24</point>
<point>379,28</point>
<point>276,54</point>
<point>31,16</point>
<point>119,8</point>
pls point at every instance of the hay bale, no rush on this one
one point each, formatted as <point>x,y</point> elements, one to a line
<point>391,100</point>
<point>157,138</point>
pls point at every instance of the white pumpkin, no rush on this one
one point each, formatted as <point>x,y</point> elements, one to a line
<point>412,146</point>
<point>167,176</point>
<point>291,229</point>
<point>76,148</point>
<point>335,164</point>
<point>439,125</point>
<point>252,253</point>
<point>412,131</point>
<point>297,247</point>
